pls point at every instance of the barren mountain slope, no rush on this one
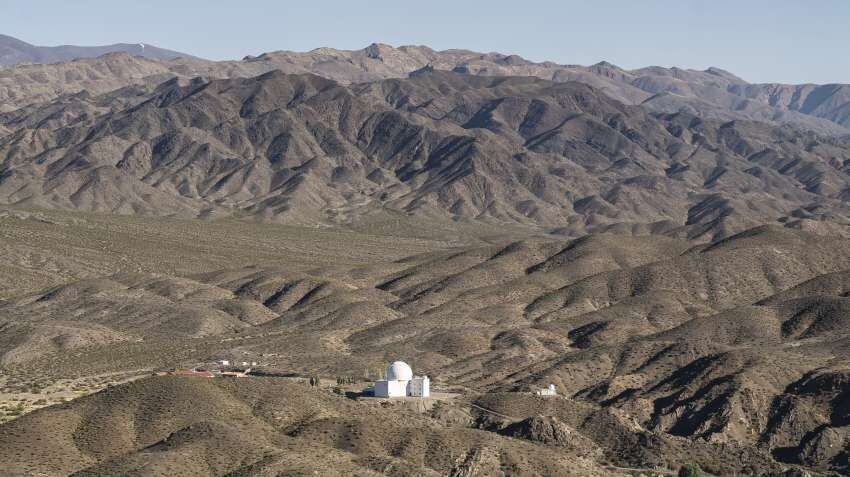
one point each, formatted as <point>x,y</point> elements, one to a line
<point>712,94</point>
<point>736,348</point>
<point>822,108</point>
<point>172,425</point>
<point>303,149</point>
<point>27,85</point>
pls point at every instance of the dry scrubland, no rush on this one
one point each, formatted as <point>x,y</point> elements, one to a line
<point>598,229</point>
<point>46,247</point>
<point>731,354</point>
<point>186,426</point>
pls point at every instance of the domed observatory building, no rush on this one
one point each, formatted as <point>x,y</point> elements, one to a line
<point>400,382</point>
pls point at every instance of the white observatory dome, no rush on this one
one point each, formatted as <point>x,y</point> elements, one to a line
<point>399,371</point>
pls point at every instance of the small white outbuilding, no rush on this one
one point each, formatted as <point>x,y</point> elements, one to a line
<point>400,382</point>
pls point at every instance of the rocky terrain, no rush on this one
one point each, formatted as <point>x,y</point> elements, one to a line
<point>301,149</point>
<point>711,94</point>
<point>732,355</point>
<point>179,426</point>
<point>668,248</point>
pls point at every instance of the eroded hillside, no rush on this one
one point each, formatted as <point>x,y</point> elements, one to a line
<point>712,94</point>
<point>734,348</point>
<point>301,149</point>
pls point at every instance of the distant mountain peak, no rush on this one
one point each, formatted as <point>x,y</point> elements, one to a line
<point>606,64</point>
<point>14,51</point>
<point>713,70</point>
<point>377,50</point>
<point>514,60</point>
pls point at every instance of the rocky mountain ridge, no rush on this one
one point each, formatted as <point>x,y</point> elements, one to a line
<point>711,94</point>
<point>516,150</point>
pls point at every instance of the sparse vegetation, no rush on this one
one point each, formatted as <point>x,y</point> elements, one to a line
<point>689,470</point>
<point>517,334</point>
<point>666,247</point>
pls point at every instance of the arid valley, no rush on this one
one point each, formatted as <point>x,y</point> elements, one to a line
<point>208,265</point>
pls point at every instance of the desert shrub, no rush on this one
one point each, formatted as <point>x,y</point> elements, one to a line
<point>714,468</point>
<point>690,470</point>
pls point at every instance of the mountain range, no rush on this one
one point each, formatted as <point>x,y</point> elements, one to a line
<point>711,94</point>
<point>302,149</point>
<point>14,52</point>
<point>667,248</point>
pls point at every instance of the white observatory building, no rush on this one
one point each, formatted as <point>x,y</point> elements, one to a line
<point>401,382</point>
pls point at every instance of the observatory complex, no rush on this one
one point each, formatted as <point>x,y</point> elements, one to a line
<point>400,382</point>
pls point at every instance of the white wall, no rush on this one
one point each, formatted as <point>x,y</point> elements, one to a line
<point>384,388</point>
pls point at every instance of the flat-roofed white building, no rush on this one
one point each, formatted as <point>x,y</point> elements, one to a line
<point>400,382</point>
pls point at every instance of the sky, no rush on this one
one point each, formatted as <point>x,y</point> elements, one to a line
<point>788,41</point>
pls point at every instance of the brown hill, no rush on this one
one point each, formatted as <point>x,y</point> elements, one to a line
<point>388,208</point>
<point>711,94</point>
<point>303,149</point>
<point>729,349</point>
<point>258,426</point>
<point>28,85</point>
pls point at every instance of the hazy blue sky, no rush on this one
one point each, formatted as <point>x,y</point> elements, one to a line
<point>759,40</point>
